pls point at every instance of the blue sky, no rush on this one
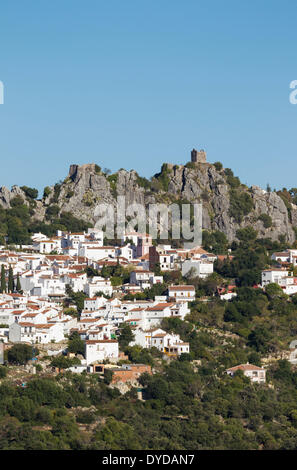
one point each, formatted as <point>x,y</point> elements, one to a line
<point>133,84</point>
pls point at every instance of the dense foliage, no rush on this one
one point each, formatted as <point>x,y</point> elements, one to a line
<point>185,407</point>
<point>17,226</point>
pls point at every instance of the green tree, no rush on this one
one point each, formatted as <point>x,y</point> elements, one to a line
<point>260,339</point>
<point>126,336</point>
<point>247,234</point>
<point>218,166</point>
<point>108,374</point>
<point>3,279</point>
<point>266,219</point>
<point>3,372</point>
<point>63,362</point>
<point>241,204</point>
<point>18,285</point>
<point>46,192</point>
<point>20,354</point>
<point>31,193</point>
<point>77,297</point>
<point>274,290</point>
<point>10,280</point>
<point>17,231</point>
<point>117,435</point>
<point>75,344</point>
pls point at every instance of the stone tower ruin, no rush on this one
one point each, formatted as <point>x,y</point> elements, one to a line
<point>198,156</point>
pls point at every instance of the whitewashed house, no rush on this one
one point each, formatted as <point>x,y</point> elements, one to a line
<point>180,293</point>
<point>197,268</point>
<point>254,373</point>
<point>35,333</point>
<point>273,275</point>
<point>94,303</point>
<point>167,343</point>
<point>96,252</point>
<point>99,350</point>
<point>98,284</point>
<point>155,314</point>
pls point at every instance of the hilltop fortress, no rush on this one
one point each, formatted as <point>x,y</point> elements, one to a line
<point>198,156</point>
<point>224,207</point>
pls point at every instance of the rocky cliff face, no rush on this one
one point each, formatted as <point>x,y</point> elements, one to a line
<point>6,195</point>
<point>86,186</point>
<point>208,185</point>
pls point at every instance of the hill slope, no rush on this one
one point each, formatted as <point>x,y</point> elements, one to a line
<point>227,204</point>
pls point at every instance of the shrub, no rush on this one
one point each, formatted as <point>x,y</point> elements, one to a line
<point>17,201</point>
<point>31,193</point>
<point>266,219</point>
<point>76,344</point>
<point>232,180</point>
<point>143,182</point>
<point>241,204</point>
<point>46,192</point>
<point>246,234</point>
<point>218,166</point>
<point>20,354</point>
<point>52,211</point>
<point>108,374</point>
<point>113,179</point>
<point>126,336</point>
<point>163,177</point>
<point>69,194</point>
<point>85,417</point>
<point>87,198</point>
<point>3,372</point>
<point>190,165</point>
<point>62,362</point>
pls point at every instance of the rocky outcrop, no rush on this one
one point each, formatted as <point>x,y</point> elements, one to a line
<point>86,186</point>
<point>6,195</point>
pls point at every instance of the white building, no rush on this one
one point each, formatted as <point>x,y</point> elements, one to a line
<point>94,303</point>
<point>288,284</point>
<point>99,350</point>
<point>168,343</point>
<point>35,333</point>
<point>98,284</point>
<point>47,246</point>
<point>282,257</point>
<point>96,234</point>
<point>180,293</point>
<point>197,268</point>
<point>273,275</point>
<point>140,277</point>
<point>254,373</point>
<point>77,281</point>
<point>166,260</point>
<point>126,251</point>
<point>155,314</point>
<point>96,252</point>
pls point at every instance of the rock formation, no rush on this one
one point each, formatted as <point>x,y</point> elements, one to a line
<point>87,185</point>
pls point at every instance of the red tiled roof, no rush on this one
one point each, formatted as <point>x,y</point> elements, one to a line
<point>245,367</point>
